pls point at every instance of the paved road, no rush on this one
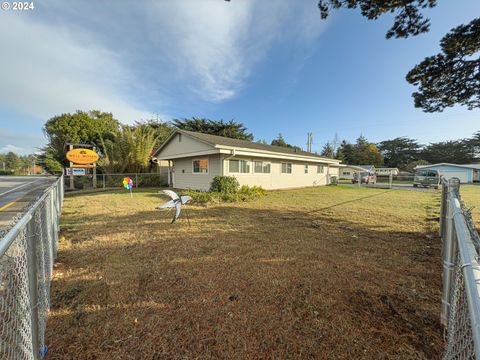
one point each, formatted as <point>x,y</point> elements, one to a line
<point>16,192</point>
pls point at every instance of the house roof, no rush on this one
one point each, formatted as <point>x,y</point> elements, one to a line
<point>360,167</point>
<point>466,166</point>
<point>220,141</point>
<point>368,167</point>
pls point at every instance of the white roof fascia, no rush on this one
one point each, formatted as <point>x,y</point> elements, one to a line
<point>467,166</point>
<point>273,155</point>
<point>190,154</point>
<point>357,167</point>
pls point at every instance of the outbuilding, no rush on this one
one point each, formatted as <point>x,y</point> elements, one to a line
<point>196,158</point>
<point>467,173</point>
<point>347,171</point>
<point>387,171</point>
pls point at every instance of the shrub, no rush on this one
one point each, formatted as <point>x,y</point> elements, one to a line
<point>250,193</point>
<point>225,184</point>
<point>202,197</point>
<point>245,193</point>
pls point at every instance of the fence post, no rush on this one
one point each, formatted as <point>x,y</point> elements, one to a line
<point>449,249</point>
<point>443,200</point>
<point>32,284</point>
<point>136,180</point>
<point>103,180</point>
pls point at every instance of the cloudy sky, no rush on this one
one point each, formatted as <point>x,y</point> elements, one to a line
<point>274,65</point>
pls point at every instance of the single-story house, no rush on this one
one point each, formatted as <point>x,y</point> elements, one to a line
<point>195,159</point>
<point>387,171</point>
<point>467,173</point>
<point>347,171</point>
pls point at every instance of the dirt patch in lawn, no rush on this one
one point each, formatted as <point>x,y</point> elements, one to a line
<point>327,272</point>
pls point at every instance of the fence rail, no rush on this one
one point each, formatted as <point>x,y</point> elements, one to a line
<point>460,312</point>
<point>115,180</point>
<point>27,253</point>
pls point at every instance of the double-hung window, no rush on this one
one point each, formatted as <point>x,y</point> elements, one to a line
<point>306,169</point>
<point>319,169</point>
<point>239,166</point>
<point>200,166</point>
<point>286,168</point>
<point>261,167</point>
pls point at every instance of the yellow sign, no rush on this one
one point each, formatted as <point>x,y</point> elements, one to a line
<point>82,156</point>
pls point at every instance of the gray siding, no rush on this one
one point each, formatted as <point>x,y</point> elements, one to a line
<point>183,175</point>
<point>184,145</point>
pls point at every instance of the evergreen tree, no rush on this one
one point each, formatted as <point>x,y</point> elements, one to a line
<point>444,80</point>
<point>328,150</point>
<point>280,141</point>
<point>231,129</point>
<point>398,152</point>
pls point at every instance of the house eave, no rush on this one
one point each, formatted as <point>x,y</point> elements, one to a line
<point>273,155</point>
<point>189,154</point>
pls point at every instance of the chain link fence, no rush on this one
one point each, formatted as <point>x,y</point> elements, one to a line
<point>461,275</point>
<point>115,180</point>
<point>27,253</point>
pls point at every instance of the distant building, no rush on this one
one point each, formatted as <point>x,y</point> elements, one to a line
<point>346,171</point>
<point>467,173</point>
<point>386,171</point>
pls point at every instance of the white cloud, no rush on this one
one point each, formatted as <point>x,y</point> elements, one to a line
<point>215,44</point>
<point>13,148</point>
<point>46,71</point>
<point>133,59</point>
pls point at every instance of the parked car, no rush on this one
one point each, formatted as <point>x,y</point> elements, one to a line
<point>366,178</point>
<point>427,178</point>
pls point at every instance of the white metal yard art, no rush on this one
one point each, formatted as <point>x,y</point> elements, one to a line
<point>176,203</point>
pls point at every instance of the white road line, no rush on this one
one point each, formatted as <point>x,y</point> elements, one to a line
<point>18,187</point>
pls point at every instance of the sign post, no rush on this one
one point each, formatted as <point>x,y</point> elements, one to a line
<point>94,171</point>
<point>80,160</point>
<point>72,185</point>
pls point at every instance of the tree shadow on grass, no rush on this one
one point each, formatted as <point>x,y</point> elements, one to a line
<point>245,282</point>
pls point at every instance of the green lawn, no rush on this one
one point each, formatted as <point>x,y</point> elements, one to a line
<point>326,272</point>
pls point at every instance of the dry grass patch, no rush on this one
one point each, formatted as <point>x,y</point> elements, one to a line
<point>326,272</point>
<point>471,196</point>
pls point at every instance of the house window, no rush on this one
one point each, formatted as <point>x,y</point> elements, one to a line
<point>239,166</point>
<point>286,168</point>
<point>200,166</point>
<point>260,167</point>
<point>306,168</point>
<point>179,137</point>
<point>346,173</point>
<point>319,169</point>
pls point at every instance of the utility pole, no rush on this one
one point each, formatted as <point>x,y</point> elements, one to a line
<point>309,141</point>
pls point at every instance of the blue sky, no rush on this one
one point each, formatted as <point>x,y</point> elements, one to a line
<point>273,65</point>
